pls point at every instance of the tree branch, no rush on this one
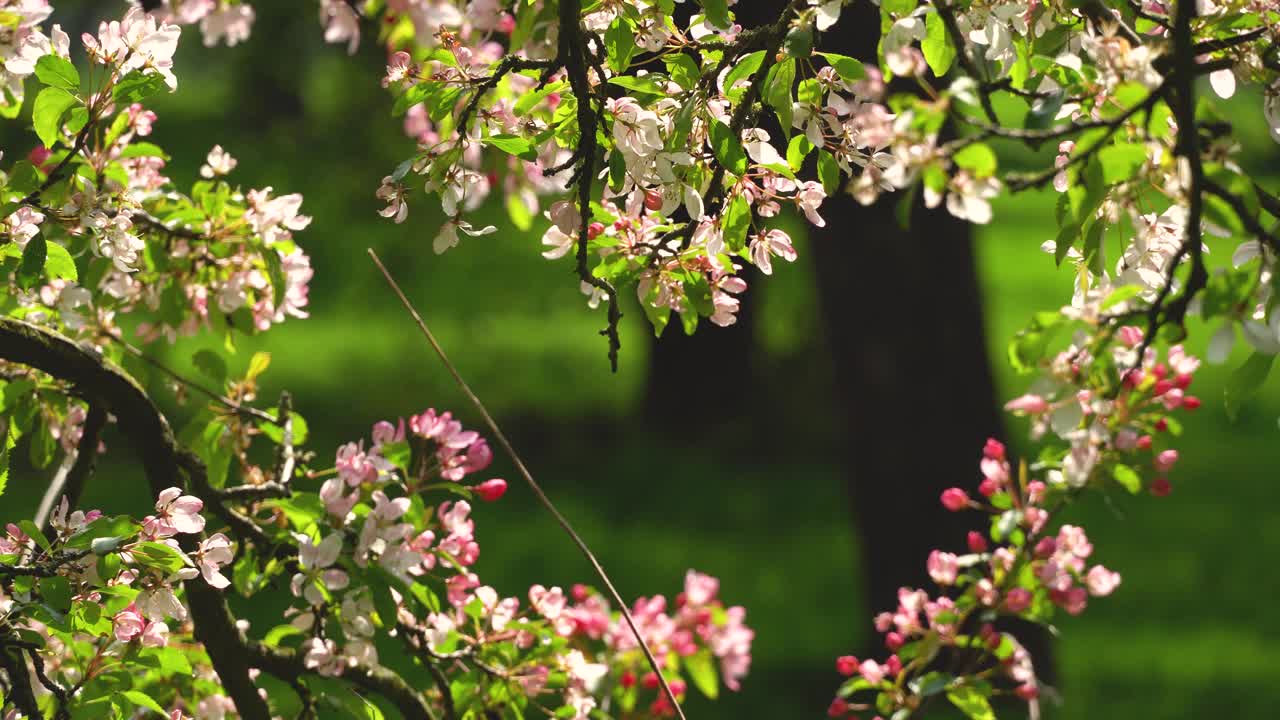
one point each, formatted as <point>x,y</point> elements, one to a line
<point>148,431</point>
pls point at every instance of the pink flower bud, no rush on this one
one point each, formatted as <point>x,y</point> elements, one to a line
<point>653,200</point>
<point>1165,461</point>
<point>1144,443</point>
<point>1160,371</point>
<point>893,641</point>
<point>1160,487</point>
<point>837,708</point>
<point>847,665</point>
<point>1017,600</point>
<point>580,592</point>
<point>1030,404</point>
<point>994,449</point>
<point>594,230</point>
<point>893,665</point>
<point>977,543</point>
<point>1162,425</point>
<point>1183,381</point>
<point>955,499</point>
<point>1045,547</point>
<point>872,671</point>
<point>988,487</point>
<point>491,490</point>
<point>1191,402</point>
<point>628,679</point>
<point>1028,692</point>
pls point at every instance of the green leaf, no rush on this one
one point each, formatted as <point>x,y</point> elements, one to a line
<point>157,555</point>
<point>737,220</point>
<point>143,700</point>
<point>745,67</point>
<point>1121,161</point>
<point>137,86</point>
<point>513,145</point>
<point>58,263</point>
<point>620,44</point>
<point>970,701</point>
<point>1127,478</point>
<point>777,91</point>
<point>528,101</point>
<point>1245,381</point>
<point>797,150</point>
<point>211,364</point>
<point>1120,294</point>
<point>56,592</point>
<point>275,272</point>
<point>728,149</point>
<point>34,533</point>
<point>828,172</point>
<point>683,70</point>
<point>143,149</point>
<point>937,47</point>
<point>6,450</point>
<point>977,158</point>
<point>46,116</point>
<point>345,700</point>
<point>58,72</point>
<point>43,446</point>
<point>31,271</point>
<point>278,633</point>
<point>276,433</point>
<point>846,67</point>
<point>717,12</point>
<point>702,670</point>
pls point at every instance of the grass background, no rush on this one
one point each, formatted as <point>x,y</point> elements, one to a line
<point>1191,633</point>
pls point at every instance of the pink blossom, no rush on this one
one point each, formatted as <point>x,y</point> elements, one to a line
<point>1101,581</point>
<point>214,552</point>
<point>155,635</point>
<point>872,671</point>
<point>943,567</point>
<point>127,624</point>
<point>699,589</point>
<point>177,513</point>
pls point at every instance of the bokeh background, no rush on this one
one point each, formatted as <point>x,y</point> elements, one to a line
<point>756,497</point>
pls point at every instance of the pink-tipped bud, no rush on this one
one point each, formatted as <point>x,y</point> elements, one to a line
<point>1162,425</point>
<point>1133,378</point>
<point>837,708</point>
<point>988,487</point>
<point>1130,335</point>
<point>1027,692</point>
<point>893,665</point>
<point>994,449</point>
<point>1191,402</point>
<point>628,679</point>
<point>1183,381</point>
<point>894,641</point>
<point>1160,487</point>
<point>994,641</point>
<point>1160,371</point>
<point>1030,404</point>
<point>977,543</point>
<point>580,592</point>
<point>653,200</point>
<point>491,490</point>
<point>594,230</point>
<point>1161,387</point>
<point>650,681</point>
<point>847,665</point>
<point>955,499</point>
<point>1045,547</point>
<point>1165,461</point>
<point>1144,443</point>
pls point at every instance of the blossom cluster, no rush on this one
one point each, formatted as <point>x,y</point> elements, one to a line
<point>374,555</point>
<point>99,590</point>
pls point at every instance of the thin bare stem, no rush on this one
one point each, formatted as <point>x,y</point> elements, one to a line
<point>533,484</point>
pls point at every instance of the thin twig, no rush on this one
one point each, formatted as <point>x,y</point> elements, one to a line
<point>528,478</point>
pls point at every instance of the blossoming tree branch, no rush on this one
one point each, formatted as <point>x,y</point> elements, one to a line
<point>658,144</point>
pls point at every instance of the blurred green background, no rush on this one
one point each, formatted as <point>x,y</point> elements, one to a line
<point>1192,632</point>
